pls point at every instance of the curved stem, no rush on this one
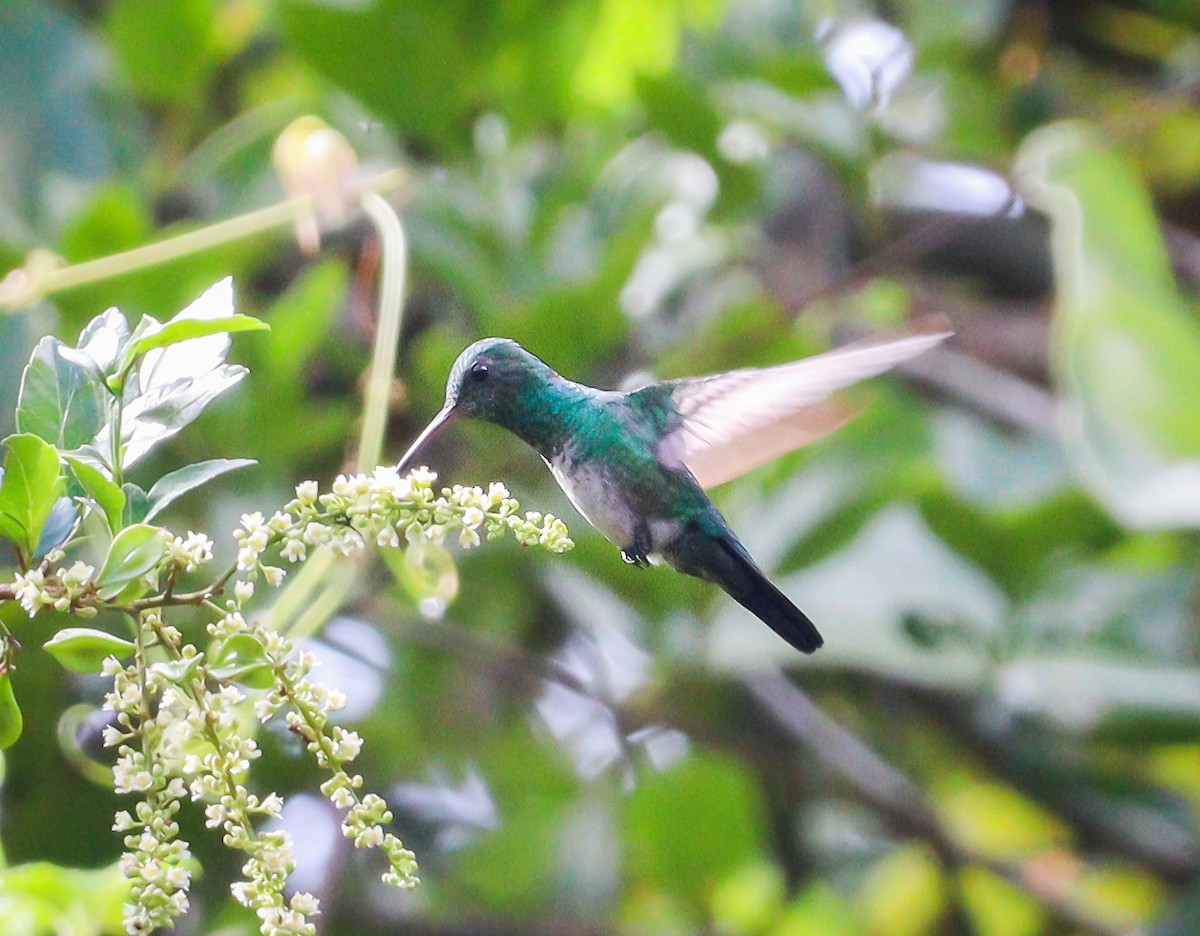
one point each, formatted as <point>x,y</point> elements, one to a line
<point>387,336</point>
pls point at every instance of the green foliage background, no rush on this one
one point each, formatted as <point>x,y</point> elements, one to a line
<point>1002,555</point>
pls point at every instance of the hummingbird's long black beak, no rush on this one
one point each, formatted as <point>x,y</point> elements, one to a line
<point>436,425</point>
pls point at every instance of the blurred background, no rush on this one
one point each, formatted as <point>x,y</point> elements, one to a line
<point>1002,734</point>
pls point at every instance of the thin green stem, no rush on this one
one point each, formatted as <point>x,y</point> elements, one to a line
<point>311,597</point>
<point>23,288</point>
<point>387,336</point>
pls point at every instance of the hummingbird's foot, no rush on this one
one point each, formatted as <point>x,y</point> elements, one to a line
<point>638,552</point>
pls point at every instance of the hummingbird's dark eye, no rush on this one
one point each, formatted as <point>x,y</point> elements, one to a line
<point>479,371</point>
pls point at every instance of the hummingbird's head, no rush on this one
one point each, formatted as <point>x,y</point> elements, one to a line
<point>493,379</point>
<point>489,378</point>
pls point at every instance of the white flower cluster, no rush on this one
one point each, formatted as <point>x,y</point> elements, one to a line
<point>388,509</point>
<point>175,726</point>
<point>189,552</point>
<point>156,860</point>
<point>307,707</point>
<point>61,591</point>
<point>191,746</point>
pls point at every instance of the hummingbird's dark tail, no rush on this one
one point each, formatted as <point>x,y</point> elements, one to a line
<point>730,566</point>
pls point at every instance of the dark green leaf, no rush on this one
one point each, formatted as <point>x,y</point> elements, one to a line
<point>63,398</point>
<point>171,487</point>
<point>58,526</point>
<point>84,649</point>
<point>135,551</point>
<point>101,489</point>
<point>10,713</point>
<point>32,483</point>
<point>137,504</point>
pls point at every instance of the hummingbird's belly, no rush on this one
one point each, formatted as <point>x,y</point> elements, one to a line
<point>596,499</point>
<point>602,503</point>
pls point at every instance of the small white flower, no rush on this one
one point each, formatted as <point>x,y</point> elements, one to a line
<point>347,744</point>
<point>422,477</point>
<point>254,522</point>
<point>273,575</point>
<point>388,538</point>
<point>243,591</point>
<point>294,550</point>
<point>303,902</point>
<point>468,538</point>
<point>306,492</point>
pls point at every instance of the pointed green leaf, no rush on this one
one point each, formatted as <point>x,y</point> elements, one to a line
<point>136,504</point>
<point>32,482</point>
<point>243,660</point>
<point>104,339</point>
<point>164,409</point>
<point>10,713</point>
<point>171,487</point>
<point>63,398</point>
<point>178,330</point>
<point>135,551</point>
<point>84,649</point>
<point>101,489</point>
<point>58,525</point>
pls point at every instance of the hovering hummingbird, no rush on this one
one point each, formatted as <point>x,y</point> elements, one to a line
<point>636,464</point>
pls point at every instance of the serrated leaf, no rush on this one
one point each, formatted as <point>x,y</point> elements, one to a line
<point>171,487</point>
<point>84,649</point>
<point>11,722</point>
<point>101,489</point>
<point>134,552</point>
<point>63,399</point>
<point>58,526</point>
<point>32,483</point>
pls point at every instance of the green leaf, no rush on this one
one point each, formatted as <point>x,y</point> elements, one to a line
<point>137,504</point>
<point>10,713</point>
<point>58,525</point>
<point>104,338</point>
<point>63,399</point>
<point>101,489</point>
<point>84,649</point>
<point>32,482</point>
<point>668,849</point>
<point>166,51</point>
<point>1126,350</point>
<point>243,660</point>
<point>171,487</point>
<point>177,330</point>
<point>135,551</point>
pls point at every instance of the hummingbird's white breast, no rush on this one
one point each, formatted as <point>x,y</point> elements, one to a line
<point>601,503</point>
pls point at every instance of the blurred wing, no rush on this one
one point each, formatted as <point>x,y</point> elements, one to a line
<point>730,423</point>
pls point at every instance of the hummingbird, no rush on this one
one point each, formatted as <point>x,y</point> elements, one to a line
<point>636,464</point>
